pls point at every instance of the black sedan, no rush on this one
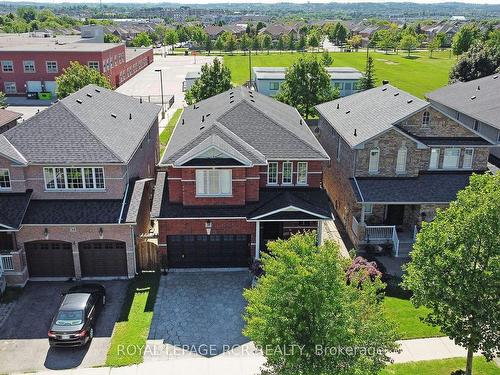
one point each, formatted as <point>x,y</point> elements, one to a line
<point>75,320</point>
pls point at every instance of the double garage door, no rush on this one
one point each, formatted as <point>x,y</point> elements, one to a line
<point>55,258</point>
<point>208,251</point>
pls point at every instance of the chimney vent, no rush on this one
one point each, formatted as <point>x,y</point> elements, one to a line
<point>130,116</point>
<point>182,121</point>
<point>478,88</point>
<point>140,100</point>
<point>348,112</point>
<point>203,118</point>
<point>473,97</point>
<point>355,133</point>
<point>79,101</point>
<point>97,90</point>
<point>410,101</point>
<point>396,94</point>
<point>338,105</point>
<point>89,95</point>
<point>113,115</point>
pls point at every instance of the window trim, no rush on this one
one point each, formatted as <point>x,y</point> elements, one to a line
<point>471,158</point>
<point>9,179</point>
<point>3,68</point>
<point>10,83</point>
<point>283,173</point>
<point>47,66</point>
<point>405,155</point>
<point>268,174</point>
<point>299,164</point>
<point>438,157</point>
<point>368,205</point>
<point>370,171</point>
<point>273,85</point>
<point>94,62</point>
<point>29,71</point>
<point>66,188</point>
<point>426,118</point>
<point>220,194</point>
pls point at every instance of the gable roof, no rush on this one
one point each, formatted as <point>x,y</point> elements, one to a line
<point>256,126</point>
<point>7,116</point>
<point>362,116</point>
<point>9,151</point>
<point>479,99</point>
<point>93,125</point>
<point>14,206</point>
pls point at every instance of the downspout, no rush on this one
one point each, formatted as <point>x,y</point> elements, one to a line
<point>123,204</point>
<point>132,235</point>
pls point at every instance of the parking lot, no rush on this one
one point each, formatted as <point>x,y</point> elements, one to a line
<point>23,338</point>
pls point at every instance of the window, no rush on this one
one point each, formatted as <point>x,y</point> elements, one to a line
<point>426,118</point>
<point>272,173</point>
<point>10,88</point>
<point>374,157</point>
<point>476,125</point>
<point>4,179</point>
<point>51,66</point>
<point>468,155</point>
<point>93,65</point>
<point>498,136</point>
<point>74,178</point>
<point>368,208</point>
<point>451,157</point>
<point>210,182</point>
<point>286,177</point>
<point>29,66</point>
<point>339,85</point>
<point>338,148</point>
<point>401,160</point>
<point>348,85</point>
<point>434,163</point>
<point>7,66</point>
<point>302,173</point>
<point>274,85</point>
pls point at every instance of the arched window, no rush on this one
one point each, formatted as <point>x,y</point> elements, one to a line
<point>426,118</point>
<point>401,159</point>
<point>374,158</point>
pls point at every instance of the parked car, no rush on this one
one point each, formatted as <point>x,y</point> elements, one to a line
<point>74,322</point>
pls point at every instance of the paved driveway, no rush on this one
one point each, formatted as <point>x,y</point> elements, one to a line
<point>23,338</point>
<point>198,314</point>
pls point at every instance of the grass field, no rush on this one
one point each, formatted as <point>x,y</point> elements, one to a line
<point>132,329</point>
<point>441,367</point>
<point>167,132</point>
<point>418,75</point>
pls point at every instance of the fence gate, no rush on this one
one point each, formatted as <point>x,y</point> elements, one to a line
<point>147,256</point>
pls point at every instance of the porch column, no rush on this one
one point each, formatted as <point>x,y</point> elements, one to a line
<point>320,232</point>
<point>257,240</point>
<point>362,217</point>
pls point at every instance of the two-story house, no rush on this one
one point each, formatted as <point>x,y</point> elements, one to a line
<point>75,187</point>
<point>475,104</point>
<point>395,159</point>
<point>239,170</point>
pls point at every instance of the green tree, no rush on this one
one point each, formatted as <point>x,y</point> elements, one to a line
<point>219,43</point>
<point>326,58</point>
<point>368,80</point>
<point>256,43</point>
<point>455,268</point>
<point>3,100</point>
<point>433,45</point>
<point>313,41</point>
<point>341,34</point>
<point>409,43</point>
<point>141,40</point>
<point>245,42</point>
<point>77,76</point>
<point>301,46</point>
<point>282,43</point>
<point>291,43</point>
<point>267,42</point>
<point>442,39</point>
<point>385,40</point>
<point>303,301</point>
<point>209,45</point>
<point>465,38</point>
<point>214,79</point>
<point>479,61</point>
<point>493,39</point>
<point>355,42</point>
<point>229,41</point>
<point>171,38</point>
<point>160,32</point>
<point>28,14</point>
<point>306,84</point>
<point>111,38</point>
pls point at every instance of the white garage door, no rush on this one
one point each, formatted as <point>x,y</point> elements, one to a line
<point>51,86</point>
<point>34,86</point>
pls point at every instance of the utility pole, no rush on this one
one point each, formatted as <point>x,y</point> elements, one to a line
<point>250,67</point>
<point>161,91</point>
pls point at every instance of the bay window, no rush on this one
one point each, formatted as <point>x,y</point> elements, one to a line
<point>213,182</point>
<point>4,179</point>
<point>73,178</point>
<point>286,177</point>
<point>451,157</point>
<point>272,173</point>
<point>302,173</point>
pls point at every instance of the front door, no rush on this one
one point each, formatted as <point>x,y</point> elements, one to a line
<point>271,230</point>
<point>395,214</point>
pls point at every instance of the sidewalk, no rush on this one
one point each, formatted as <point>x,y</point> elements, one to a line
<point>229,364</point>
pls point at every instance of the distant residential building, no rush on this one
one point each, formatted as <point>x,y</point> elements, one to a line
<point>8,119</point>
<point>277,31</point>
<point>189,80</point>
<point>268,80</point>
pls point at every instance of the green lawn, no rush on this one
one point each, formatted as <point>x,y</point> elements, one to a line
<point>441,367</point>
<point>418,75</point>
<point>132,329</point>
<point>167,132</point>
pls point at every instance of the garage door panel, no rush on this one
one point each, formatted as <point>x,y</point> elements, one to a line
<point>103,258</point>
<point>50,259</point>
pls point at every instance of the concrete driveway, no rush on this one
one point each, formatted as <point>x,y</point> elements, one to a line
<point>23,338</point>
<point>198,314</point>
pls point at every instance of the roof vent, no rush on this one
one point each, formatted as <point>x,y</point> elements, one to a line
<point>231,101</point>
<point>113,115</point>
<point>409,101</point>
<point>396,94</point>
<point>195,107</point>
<point>253,101</point>
<point>385,82</point>
<point>182,121</point>
<point>97,90</point>
<point>355,132</point>
<point>384,89</point>
<point>495,77</point>
<point>231,92</point>
<point>140,100</point>
<point>79,101</point>
<point>202,127</point>
<point>478,88</point>
<point>473,97</point>
<point>300,121</point>
<point>348,112</point>
<point>338,105</point>
<point>208,114</point>
<point>130,116</point>
<point>89,95</point>
<point>203,118</point>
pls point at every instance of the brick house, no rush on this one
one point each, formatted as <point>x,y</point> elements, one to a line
<point>395,159</point>
<point>240,169</point>
<point>75,187</point>
<point>8,119</point>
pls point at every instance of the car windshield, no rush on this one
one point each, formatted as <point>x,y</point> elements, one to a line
<point>69,318</point>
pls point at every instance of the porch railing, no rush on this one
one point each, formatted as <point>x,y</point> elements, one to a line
<point>381,233</point>
<point>355,226</point>
<point>395,241</point>
<point>6,263</point>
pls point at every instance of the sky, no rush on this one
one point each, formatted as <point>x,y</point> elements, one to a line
<point>260,1</point>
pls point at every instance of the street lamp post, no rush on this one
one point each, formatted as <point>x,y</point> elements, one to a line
<point>250,67</point>
<point>161,91</point>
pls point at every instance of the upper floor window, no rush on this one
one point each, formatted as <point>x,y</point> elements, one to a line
<point>302,173</point>
<point>10,87</point>
<point>374,159</point>
<point>426,118</point>
<point>4,179</point>
<point>468,155</point>
<point>450,158</point>
<point>286,177</point>
<point>272,173</point>
<point>213,182</point>
<point>434,163</point>
<point>29,66</point>
<point>401,159</point>
<point>93,65</point>
<point>74,178</point>
<point>274,85</point>
<point>7,66</point>
<point>476,125</point>
<point>51,66</point>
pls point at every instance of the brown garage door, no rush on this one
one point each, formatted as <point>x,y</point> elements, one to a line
<point>103,258</point>
<point>49,259</point>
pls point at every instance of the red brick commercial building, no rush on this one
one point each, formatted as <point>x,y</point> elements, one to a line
<point>32,64</point>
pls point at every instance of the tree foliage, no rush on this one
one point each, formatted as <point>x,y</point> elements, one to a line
<point>303,304</point>
<point>464,38</point>
<point>479,61</point>
<point>214,79</point>
<point>455,268</point>
<point>141,40</point>
<point>355,42</point>
<point>408,43</point>
<point>368,80</point>
<point>326,58</point>
<point>111,38</point>
<point>171,38</point>
<point>3,100</point>
<point>306,84</point>
<point>77,76</point>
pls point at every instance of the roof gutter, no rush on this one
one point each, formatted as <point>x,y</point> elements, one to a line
<point>123,203</point>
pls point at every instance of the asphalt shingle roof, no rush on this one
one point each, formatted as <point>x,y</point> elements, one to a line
<point>13,206</point>
<point>7,116</point>
<point>362,116</point>
<point>9,151</point>
<point>256,125</point>
<point>479,99</point>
